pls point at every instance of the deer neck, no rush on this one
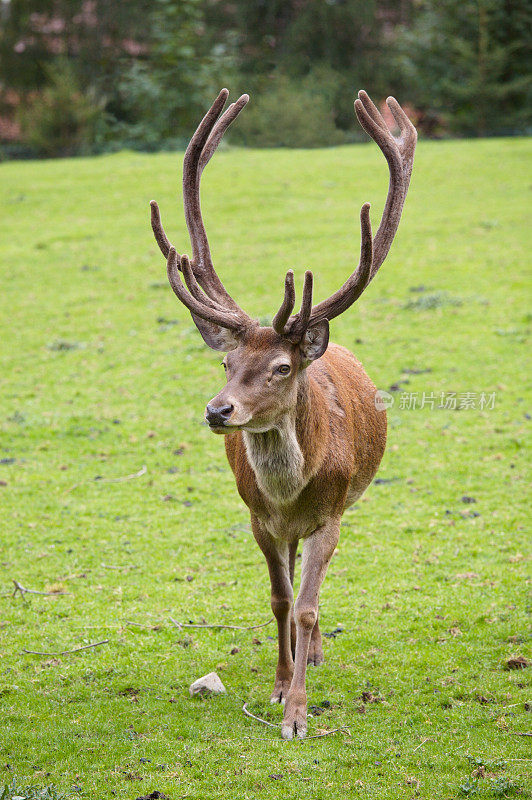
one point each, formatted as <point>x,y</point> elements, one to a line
<point>284,457</point>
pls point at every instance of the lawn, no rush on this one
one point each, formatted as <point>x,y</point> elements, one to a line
<point>119,508</point>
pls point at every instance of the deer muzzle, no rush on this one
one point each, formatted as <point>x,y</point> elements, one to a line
<point>218,415</point>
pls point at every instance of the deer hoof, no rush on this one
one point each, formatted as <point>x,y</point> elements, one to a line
<point>296,729</point>
<point>295,720</point>
<point>280,691</point>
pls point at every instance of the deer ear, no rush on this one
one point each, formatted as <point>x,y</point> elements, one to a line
<point>214,335</point>
<point>315,341</point>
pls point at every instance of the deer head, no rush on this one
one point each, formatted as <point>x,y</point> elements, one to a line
<point>264,365</point>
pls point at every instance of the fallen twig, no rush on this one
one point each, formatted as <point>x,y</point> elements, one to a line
<point>520,733</point>
<point>142,471</point>
<point>227,627</point>
<point>138,624</point>
<point>22,589</point>
<point>513,705</point>
<point>427,739</point>
<point>66,652</point>
<point>272,725</point>
<point>328,733</point>
<point>259,719</point>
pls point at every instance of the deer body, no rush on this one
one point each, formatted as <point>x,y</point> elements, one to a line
<point>304,435</point>
<point>322,455</point>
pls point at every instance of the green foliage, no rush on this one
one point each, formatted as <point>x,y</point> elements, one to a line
<point>326,49</point>
<point>164,96</point>
<point>61,119</point>
<point>490,787</point>
<point>460,67</point>
<point>103,372</point>
<point>15,792</point>
<point>288,115</point>
<point>469,63</point>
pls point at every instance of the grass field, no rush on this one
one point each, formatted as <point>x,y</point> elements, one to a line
<point>118,503</point>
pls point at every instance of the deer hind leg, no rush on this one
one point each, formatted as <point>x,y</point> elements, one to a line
<point>315,650</point>
<point>317,552</point>
<point>282,595</point>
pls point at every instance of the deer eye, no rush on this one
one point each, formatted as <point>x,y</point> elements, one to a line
<point>283,369</point>
<point>224,365</point>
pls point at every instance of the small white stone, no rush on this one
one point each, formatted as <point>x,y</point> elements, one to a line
<point>208,684</point>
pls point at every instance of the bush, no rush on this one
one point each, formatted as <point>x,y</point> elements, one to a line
<point>287,115</point>
<point>61,120</point>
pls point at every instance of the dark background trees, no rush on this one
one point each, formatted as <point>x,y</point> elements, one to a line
<point>88,75</point>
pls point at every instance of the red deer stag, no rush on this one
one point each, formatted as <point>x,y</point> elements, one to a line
<point>303,433</point>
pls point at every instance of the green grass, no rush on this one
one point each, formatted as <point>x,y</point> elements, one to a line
<point>103,372</point>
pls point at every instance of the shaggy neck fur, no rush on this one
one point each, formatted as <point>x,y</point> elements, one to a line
<point>277,460</point>
<point>285,457</point>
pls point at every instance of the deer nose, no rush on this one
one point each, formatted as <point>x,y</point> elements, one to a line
<point>218,415</point>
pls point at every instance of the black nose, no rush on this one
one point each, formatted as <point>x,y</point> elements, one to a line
<point>217,415</point>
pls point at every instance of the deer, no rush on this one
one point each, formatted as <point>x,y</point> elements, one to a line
<point>304,431</point>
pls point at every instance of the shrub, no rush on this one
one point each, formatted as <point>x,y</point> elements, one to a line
<point>61,120</point>
<point>287,115</point>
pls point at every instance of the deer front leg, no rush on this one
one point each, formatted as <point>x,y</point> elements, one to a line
<point>317,552</point>
<point>277,557</point>
<point>315,653</point>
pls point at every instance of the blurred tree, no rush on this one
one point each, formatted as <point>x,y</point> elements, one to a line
<point>164,93</point>
<point>92,34</point>
<point>140,57</point>
<point>470,62</point>
<point>61,119</point>
<point>289,114</point>
<point>76,46</point>
<point>337,45</point>
<point>153,65</point>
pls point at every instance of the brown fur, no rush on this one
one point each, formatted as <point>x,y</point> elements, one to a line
<point>342,437</point>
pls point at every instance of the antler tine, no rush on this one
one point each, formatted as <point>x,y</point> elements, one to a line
<point>399,153</point>
<point>381,135</point>
<point>197,142</point>
<point>202,261</point>
<point>351,290</point>
<point>372,110</point>
<point>193,286</point>
<point>158,230</point>
<point>295,330</point>
<point>225,319</point>
<point>227,118</point>
<point>200,246</point>
<point>287,306</point>
<point>408,131</point>
<point>164,245</point>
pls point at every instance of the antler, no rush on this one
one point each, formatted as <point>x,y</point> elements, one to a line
<point>202,281</point>
<point>207,298</point>
<point>399,153</point>
<point>196,305</point>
